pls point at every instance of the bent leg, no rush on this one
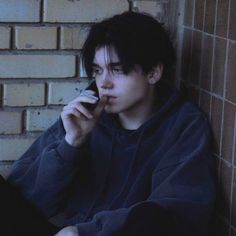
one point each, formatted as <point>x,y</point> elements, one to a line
<point>18,216</point>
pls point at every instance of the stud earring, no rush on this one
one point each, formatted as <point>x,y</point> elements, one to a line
<point>151,81</point>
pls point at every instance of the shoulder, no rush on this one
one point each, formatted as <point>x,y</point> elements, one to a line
<point>188,113</point>
<point>179,115</point>
<point>188,137</point>
<point>177,110</point>
<point>189,124</point>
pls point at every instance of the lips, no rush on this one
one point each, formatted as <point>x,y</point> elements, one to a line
<point>110,99</point>
<point>108,96</point>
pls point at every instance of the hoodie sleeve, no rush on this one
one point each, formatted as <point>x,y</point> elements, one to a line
<point>181,198</point>
<point>46,169</point>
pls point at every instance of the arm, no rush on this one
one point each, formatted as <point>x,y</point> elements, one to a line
<point>47,168</point>
<point>44,173</point>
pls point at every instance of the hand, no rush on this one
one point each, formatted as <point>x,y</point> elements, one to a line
<point>68,231</point>
<point>78,121</point>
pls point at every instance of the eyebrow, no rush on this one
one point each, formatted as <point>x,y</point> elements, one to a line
<point>110,64</point>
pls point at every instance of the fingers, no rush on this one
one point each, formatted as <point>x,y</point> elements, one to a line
<point>69,230</point>
<point>76,106</point>
<point>100,106</point>
<point>77,110</point>
<point>85,97</point>
<point>89,94</point>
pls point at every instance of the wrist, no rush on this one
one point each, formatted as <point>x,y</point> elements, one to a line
<point>73,141</point>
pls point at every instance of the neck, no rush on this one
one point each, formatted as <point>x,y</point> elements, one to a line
<point>134,118</point>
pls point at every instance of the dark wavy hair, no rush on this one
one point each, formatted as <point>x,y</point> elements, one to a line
<point>138,39</point>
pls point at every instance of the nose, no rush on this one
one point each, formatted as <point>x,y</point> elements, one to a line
<point>106,82</point>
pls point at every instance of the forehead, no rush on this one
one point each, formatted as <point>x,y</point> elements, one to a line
<point>105,55</point>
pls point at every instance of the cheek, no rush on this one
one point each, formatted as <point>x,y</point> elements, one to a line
<point>132,95</point>
<point>98,84</point>
<point>136,90</point>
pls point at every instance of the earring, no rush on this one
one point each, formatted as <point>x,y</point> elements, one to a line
<point>151,81</point>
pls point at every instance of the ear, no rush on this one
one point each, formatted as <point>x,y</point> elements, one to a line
<point>155,75</point>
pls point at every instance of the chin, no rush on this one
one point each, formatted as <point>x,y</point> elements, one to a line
<point>111,109</point>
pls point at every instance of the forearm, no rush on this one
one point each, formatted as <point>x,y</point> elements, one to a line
<point>44,179</point>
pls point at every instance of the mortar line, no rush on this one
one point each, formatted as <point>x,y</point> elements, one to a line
<point>41,11</point>
<point>213,56</point>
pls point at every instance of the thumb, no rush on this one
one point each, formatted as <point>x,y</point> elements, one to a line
<point>101,104</point>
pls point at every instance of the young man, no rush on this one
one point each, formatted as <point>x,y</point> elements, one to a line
<point>139,163</point>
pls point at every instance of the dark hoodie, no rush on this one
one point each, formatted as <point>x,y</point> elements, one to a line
<point>149,181</point>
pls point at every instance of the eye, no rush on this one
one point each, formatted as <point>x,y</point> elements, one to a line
<point>117,70</point>
<point>97,71</point>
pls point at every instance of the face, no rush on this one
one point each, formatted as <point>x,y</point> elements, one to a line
<point>127,93</point>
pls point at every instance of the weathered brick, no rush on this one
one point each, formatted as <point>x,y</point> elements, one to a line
<point>82,11</point>
<point>152,7</point>
<point>19,11</point>
<point>5,37</point>
<point>13,148</point>
<point>73,37</point>
<point>39,120</point>
<point>36,37</point>
<point>24,94</point>
<point>10,122</point>
<point>37,66</point>
<point>62,93</point>
<point>1,94</point>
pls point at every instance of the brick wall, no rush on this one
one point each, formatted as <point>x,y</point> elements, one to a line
<point>40,43</point>
<point>208,72</point>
